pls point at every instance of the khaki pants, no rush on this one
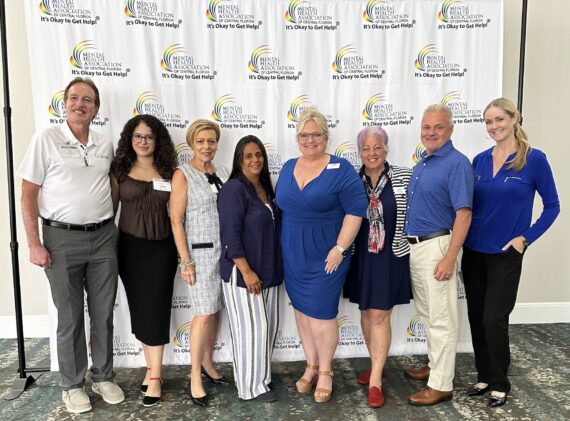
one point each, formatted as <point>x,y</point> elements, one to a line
<point>436,304</point>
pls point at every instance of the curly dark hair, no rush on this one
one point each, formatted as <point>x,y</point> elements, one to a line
<point>164,153</point>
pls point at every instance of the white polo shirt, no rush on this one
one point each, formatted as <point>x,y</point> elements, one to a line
<point>74,179</point>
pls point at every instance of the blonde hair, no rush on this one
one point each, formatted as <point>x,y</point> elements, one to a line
<point>523,147</point>
<point>312,114</point>
<point>197,127</point>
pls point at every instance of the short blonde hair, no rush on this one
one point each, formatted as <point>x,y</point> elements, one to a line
<point>312,114</point>
<point>197,127</point>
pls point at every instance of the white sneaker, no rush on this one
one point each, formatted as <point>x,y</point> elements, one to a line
<point>110,392</point>
<point>76,400</point>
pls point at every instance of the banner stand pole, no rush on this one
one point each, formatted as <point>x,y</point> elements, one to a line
<point>521,57</point>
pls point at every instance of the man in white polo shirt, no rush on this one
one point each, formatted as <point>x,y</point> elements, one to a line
<point>65,175</point>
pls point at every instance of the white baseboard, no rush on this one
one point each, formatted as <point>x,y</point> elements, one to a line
<point>524,313</point>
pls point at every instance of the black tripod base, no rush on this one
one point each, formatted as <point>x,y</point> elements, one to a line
<point>19,386</point>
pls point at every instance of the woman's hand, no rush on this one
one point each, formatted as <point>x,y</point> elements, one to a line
<point>517,243</point>
<point>188,274</point>
<point>333,260</point>
<point>252,282</point>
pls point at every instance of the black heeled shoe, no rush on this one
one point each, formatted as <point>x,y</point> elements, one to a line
<point>495,401</point>
<point>149,401</point>
<point>220,380</point>
<point>201,401</point>
<point>477,391</point>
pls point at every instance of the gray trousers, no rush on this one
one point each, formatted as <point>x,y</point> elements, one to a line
<point>83,261</point>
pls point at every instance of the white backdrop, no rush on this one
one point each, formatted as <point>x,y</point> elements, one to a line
<point>253,66</point>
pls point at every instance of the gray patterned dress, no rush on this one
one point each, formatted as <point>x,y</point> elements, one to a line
<point>203,237</point>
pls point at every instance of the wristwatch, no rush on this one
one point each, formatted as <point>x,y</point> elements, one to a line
<point>341,250</point>
<point>525,242</point>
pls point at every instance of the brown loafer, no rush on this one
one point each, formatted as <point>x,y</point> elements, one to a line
<point>421,374</point>
<point>428,396</point>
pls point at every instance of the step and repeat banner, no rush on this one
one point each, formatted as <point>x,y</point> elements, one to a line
<point>253,66</point>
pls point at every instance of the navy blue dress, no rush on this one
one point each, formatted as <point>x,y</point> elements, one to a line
<point>378,280</point>
<point>312,219</point>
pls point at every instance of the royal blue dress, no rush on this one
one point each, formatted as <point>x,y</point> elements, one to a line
<point>312,219</point>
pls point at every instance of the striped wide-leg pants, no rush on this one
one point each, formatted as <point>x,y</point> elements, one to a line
<point>253,326</point>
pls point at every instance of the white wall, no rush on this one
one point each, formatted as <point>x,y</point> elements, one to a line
<point>545,285</point>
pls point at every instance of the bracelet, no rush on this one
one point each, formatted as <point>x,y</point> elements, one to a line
<point>341,250</point>
<point>185,265</point>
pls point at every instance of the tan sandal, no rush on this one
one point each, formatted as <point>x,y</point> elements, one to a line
<point>305,386</point>
<point>322,394</point>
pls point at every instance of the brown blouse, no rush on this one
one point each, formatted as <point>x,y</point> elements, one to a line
<point>144,211</point>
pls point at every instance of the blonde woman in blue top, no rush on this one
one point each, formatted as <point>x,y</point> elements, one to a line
<point>507,176</point>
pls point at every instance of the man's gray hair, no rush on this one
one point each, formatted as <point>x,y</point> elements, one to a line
<point>440,108</point>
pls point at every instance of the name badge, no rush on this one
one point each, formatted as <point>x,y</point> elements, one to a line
<point>399,190</point>
<point>161,185</point>
<point>333,166</point>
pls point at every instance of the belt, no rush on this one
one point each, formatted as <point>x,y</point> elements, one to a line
<point>413,239</point>
<point>73,227</point>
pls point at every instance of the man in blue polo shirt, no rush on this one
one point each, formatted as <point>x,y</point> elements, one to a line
<point>440,197</point>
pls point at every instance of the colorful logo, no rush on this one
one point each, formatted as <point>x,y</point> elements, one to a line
<point>220,103</point>
<point>449,97</point>
<point>211,13</point>
<point>368,111</point>
<point>462,113</point>
<point>76,58</point>
<point>256,55</point>
<point>368,13</point>
<point>443,14</point>
<point>341,55</point>
<point>167,56</point>
<point>416,327</point>
<point>421,61</point>
<point>342,321</point>
<point>57,105</point>
<point>45,7</point>
<point>291,13</point>
<point>417,155</point>
<point>183,153</point>
<point>130,9</point>
<point>143,103</point>
<point>182,337</point>
<point>348,151</point>
<point>298,105</point>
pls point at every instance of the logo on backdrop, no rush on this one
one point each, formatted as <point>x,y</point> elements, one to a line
<point>298,105</point>
<point>231,115</point>
<point>148,13</point>
<point>180,302</point>
<point>383,14</point>
<point>273,159</point>
<point>177,64</point>
<point>458,14</point>
<point>227,14</point>
<point>286,342</point>
<point>265,65</point>
<point>349,64</point>
<point>125,348</point>
<point>379,112</point>
<point>183,155</point>
<point>56,110</point>
<point>431,63</point>
<point>349,151</point>
<point>181,339</point>
<point>415,330</point>
<point>148,103</point>
<point>462,114</point>
<point>65,12</point>
<point>304,15</point>
<point>350,334</point>
<point>417,155</point>
<point>86,60</point>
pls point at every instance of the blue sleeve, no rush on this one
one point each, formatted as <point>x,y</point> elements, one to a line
<point>460,184</point>
<point>232,206</point>
<point>352,195</point>
<point>546,188</point>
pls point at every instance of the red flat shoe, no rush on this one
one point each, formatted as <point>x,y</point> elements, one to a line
<point>375,397</point>
<point>364,378</point>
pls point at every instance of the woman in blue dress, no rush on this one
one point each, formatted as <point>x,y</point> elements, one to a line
<point>379,275</point>
<point>323,203</point>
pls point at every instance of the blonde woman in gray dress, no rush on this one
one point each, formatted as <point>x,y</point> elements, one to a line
<point>196,230</point>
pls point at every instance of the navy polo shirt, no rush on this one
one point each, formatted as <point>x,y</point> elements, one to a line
<point>440,185</point>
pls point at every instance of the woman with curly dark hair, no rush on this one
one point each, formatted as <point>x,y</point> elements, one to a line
<point>140,179</point>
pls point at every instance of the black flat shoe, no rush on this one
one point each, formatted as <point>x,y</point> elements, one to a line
<point>144,388</point>
<point>201,401</point>
<point>266,397</point>
<point>495,401</point>
<point>220,380</point>
<point>149,401</point>
<point>477,391</point>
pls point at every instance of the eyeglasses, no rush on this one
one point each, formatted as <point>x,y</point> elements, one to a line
<point>317,136</point>
<point>138,138</point>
